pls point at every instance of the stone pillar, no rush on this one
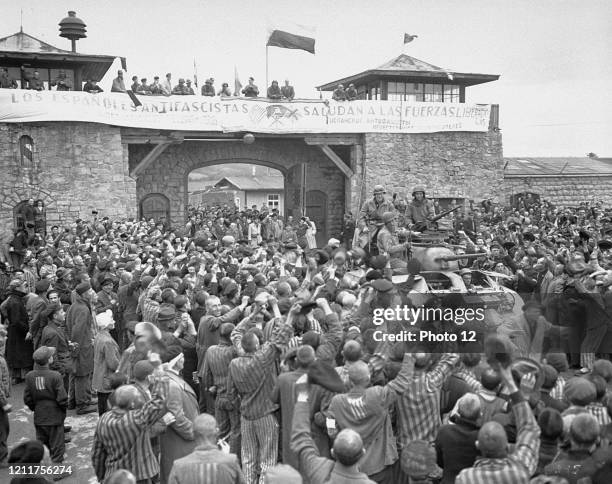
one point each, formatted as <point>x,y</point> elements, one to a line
<point>293,191</point>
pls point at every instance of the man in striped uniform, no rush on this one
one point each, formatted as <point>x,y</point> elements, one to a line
<point>208,335</point>
<point>419,407</point>
<point>214,374</point>
<point>365,409</point>
<point>497,464</point>
<point>207,464</point>
<point>252,377</point>
<point>122,439</point>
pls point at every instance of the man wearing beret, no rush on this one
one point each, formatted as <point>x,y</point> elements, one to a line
<point>81,329</point>
<point>45,395</point>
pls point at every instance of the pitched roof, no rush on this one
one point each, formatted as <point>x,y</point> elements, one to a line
<point>21,47</point>
<point>404,62</point>
<point>405,66</point>
<point>557,166</point>
<point>22,42</point>
<point>252,183</point>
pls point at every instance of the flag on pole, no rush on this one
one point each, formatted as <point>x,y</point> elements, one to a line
<point>295,37</point>
<point>409,38</point>
<point>195,73</point>
<point>237,83</point>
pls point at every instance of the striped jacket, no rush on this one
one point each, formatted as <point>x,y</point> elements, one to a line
<point>367,412</point>
<point>419,407</point>
<point>122,439</point>
<point>518,466</point>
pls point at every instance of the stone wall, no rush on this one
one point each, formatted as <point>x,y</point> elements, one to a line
<point>568,190</point>
<point>449,165</point>
<point>168,174</point>
<point>76,168</point>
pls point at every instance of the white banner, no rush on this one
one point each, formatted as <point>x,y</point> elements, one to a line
<point>199,113</point>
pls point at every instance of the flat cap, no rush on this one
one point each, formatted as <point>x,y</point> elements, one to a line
<point>42,354</point>
<point>83,287</point>
<point>42,285</point>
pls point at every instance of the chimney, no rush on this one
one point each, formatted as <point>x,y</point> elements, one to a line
<point>254,170</point>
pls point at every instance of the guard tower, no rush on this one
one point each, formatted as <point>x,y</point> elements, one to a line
<point>406,78</point>
<point>23,54</point>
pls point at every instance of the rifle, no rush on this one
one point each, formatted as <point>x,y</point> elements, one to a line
<point>443,214</point>
<point>421,226</point>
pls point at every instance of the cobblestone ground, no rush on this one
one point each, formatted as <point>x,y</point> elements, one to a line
<point>78,452</point>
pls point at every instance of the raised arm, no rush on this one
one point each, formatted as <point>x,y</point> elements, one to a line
<point>315,467</point>
<point>441,370</point>
<point>332,339</point>
<point>527,447</point>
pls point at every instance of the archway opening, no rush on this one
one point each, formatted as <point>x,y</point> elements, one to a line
<point>239,186</point>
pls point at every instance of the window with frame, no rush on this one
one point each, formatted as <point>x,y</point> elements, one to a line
<point>26,148</point>
<point>418,92</point>
<point>273,200</point>
<point>414,92</point>
<point>451,93</point>
<point>433,93</point>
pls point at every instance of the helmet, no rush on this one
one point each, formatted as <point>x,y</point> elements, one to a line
<point>378,189</point>
<point>418,189</point>
<point>388,217</point>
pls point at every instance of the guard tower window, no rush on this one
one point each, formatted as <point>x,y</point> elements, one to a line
<point>418,92</point>
<point>26,148</point>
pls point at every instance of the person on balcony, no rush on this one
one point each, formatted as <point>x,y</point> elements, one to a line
<point>6,81</point>
<point>208,89</point>
<point>287,91</point>
<point>118,83</point>
<point>251,90</point>
<point>351,93</point>
<point>225,90</point>
<point>339,93</point>
<point>62,83</point>
<point>274,91</point>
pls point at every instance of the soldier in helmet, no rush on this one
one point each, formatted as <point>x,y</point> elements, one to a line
<point>420,209</point>
<point>370,217</point>
<point>374,208</point>
<point>466,276</point>
<point>388,242</point>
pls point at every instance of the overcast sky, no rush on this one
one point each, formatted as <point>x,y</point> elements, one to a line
<point>553,55</point>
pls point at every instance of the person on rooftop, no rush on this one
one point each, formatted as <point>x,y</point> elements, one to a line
<point>274,91</point>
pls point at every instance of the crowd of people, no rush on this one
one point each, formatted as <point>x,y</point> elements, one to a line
<point>234,349</point>
<point>185,88</point>
<point>141,86</point>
